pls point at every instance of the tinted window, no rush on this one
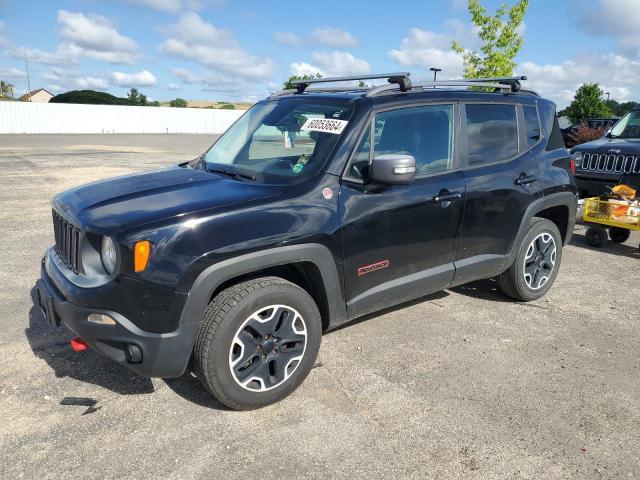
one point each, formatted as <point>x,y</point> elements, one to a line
<point>425,132</point>
<point>492,132</point>
<point>531,124</point>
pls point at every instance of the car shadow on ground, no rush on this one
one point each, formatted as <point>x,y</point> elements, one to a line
<point>626,249</point>
<point>189,387</point>
<point>52,345</point>
<point>483,289</point>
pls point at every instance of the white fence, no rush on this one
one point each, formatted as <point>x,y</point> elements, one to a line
<point>23,117</point>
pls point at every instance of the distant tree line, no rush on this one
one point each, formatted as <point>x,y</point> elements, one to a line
<point>589,102</point>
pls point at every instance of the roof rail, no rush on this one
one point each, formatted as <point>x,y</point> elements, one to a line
<point>513,82</point>
<point>400,78</point>
<point>498,84</point>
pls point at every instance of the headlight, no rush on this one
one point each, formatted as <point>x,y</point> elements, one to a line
<point>109,254</point>
<point>578,158</point>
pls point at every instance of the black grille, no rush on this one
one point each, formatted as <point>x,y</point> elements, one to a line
<point>605,163</point>
<point>67,241</point>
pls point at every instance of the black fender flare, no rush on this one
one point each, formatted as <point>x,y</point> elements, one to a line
<point>566,199</point>
<point>215,275</point>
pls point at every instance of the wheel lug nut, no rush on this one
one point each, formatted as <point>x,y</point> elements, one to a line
<point>258,347</point>
<point>264,356</point>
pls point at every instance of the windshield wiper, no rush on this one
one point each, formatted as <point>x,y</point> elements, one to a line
<point>231,173</point>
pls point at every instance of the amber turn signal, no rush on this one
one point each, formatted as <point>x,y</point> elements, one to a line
<point>141,253</point>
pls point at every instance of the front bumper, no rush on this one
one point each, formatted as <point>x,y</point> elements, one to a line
<point>146,353</point>
<point>593,187</point>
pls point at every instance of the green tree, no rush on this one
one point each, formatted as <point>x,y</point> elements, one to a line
<point>155,103</point>
<point>89,97</point>
<point>587,103</point>
<point>619,109</point>
<point>142,100</point>
<point>500,37</point>
<point>226,106</point>
<point>178,102</point>
<point>6,89</point>
<point>133,96</point>
<point>287,85</point>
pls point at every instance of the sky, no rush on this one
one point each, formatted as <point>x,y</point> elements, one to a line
<point>241,50</point>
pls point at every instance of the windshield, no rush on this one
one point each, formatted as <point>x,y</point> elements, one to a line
<point>282,142</point>
<point>628,126</point>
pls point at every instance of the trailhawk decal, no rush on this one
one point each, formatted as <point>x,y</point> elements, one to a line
<point>374,267</point>
<point>326,125</point>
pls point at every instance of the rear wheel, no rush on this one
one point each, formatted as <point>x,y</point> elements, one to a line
<point>619,235</point>
<point>537,262</point>
<point>258,342</point>
<point>596,235</point>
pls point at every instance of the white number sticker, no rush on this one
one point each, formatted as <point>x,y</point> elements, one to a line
<point>326,125</point>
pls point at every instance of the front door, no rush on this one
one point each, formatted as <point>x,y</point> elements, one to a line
<point>400,241</point>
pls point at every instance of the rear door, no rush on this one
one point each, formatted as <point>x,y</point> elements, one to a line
<point>400,241</point>
<point>502,179</point>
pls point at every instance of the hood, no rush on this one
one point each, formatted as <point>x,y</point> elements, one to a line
<point>626,146</point>
<point>116,205</point>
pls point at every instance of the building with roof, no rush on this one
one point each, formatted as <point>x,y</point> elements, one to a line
<point>37,96</point>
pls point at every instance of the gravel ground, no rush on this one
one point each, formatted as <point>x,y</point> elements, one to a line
<point>461,384</point>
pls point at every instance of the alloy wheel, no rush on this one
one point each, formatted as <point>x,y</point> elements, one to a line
<point>267,348</point>
<point>539,261</point>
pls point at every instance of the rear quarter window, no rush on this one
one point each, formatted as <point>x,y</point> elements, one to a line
<point>492,132</point>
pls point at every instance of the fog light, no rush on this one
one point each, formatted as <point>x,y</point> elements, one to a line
<point>100,319</point>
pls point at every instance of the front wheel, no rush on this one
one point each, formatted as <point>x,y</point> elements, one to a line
<point>258,342</point>
<point>537,262</point>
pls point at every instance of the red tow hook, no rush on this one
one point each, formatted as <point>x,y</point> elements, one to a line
<point>78,345</point>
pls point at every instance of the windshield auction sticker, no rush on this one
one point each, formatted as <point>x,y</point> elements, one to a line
<point>326,125</point>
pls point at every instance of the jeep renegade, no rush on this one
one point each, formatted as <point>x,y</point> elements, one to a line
<point>319,205</point>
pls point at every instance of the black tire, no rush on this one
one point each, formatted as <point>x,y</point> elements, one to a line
<point>518,282</point>
<point>596,236</point>
<point>619,235</point>
<point>216,344</point>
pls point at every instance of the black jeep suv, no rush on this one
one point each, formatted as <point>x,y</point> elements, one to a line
<point>319,205</point>
<point>603,163</point>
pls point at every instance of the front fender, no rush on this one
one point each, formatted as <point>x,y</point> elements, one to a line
<point>215,275</point>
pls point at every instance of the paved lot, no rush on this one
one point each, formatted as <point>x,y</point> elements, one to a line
<point>463,384</point>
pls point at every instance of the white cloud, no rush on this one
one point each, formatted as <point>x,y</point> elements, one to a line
<point>172,87</point>
<point>143,78</point>
<point>173,6</point>
<point>162,5</point>
<point>338,63</point>
<point>615,73</point>
<point>93,36</point>
<point>287,38</point>
<point>12,74</point>
<point>302,68</point>
<point>215,48</point>
<point>425,49</point>
<point>185,75</point>
<point>333,37</point>
<point>618,19</point>
<point>61,79</point>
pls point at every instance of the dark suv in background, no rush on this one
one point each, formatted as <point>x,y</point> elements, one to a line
<point>604,163</point>
<point>319,205</point>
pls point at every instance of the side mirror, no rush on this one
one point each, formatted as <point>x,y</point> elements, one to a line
<point>393,169</point>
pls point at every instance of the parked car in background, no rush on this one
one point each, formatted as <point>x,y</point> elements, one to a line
<point>602,163</point>
<point>235,263</point>
<point>596,128</point>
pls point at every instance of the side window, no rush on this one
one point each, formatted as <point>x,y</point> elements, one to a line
<point>492,132</point>
<point>531,125</point>
<point>424,132</point>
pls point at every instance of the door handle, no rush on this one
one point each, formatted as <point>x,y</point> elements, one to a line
<point>447,197</point>
<point>525,179</point>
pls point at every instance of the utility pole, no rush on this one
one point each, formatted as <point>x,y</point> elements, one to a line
<point>435,73</point>
<point>23,52</point>
<point>607,94</point>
